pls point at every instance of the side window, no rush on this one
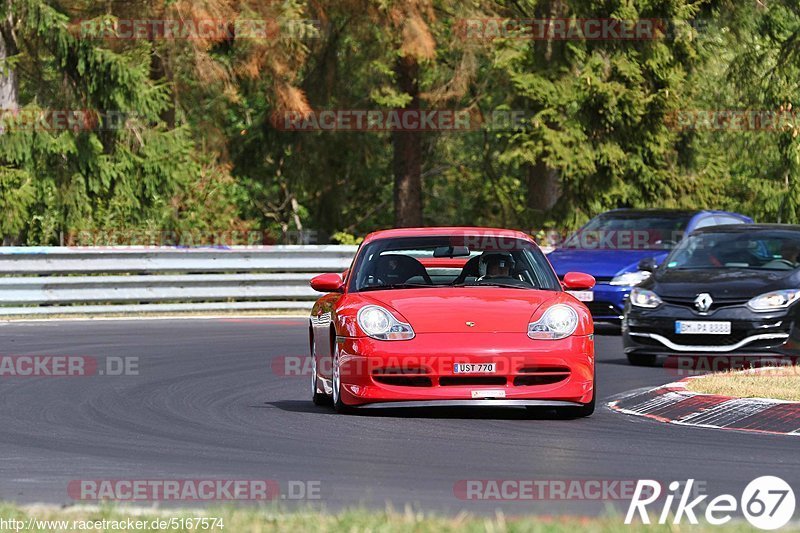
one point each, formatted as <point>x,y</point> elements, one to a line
<point>727,219</point>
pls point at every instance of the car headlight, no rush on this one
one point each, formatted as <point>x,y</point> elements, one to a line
<point>557,322</point>
<point>644,298</point>
<point>774,300</point>
<point>629,279</point>
<point>380,324</point>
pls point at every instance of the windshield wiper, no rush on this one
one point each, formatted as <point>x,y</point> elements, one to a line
<point>710,267</point>
<point>397,286</point>
<point>493,284</point>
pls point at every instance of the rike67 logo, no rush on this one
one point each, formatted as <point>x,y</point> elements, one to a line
<point>767,502</point>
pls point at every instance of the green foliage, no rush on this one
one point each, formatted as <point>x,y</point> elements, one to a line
<point>17,194</point>
<point>598,111</point>
<point>763,75</point>
<point>194,143</point>
<point>120,165</point>
<point>340,237</point>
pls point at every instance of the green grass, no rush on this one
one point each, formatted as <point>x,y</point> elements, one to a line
<point>258,520</point>
<point>780,383</point>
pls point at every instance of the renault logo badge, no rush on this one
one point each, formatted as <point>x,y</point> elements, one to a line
<point>703,302</point>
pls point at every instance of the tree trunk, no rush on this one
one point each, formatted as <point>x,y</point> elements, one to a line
<point>158,72</point>
<point>543,182</point>
<point>543,187</point>
<point>9,95</point>
<point>408,153</point>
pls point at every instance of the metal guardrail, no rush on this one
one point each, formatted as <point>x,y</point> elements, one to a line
<point>55,281</point>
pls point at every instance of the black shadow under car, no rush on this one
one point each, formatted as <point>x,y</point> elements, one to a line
<point>725,290</point>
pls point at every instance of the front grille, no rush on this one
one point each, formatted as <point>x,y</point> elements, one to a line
<point>544,370</point>
<point>705,340</point>
<point>647,341</point>
<point>528,376</point>
<point>603,309</point>
<point>736,336</point>
<point>404,381</point>
<point>541,375</point>
<point>691,340</point>
<point>399,370</point>
<point>454,381</point>
<point>402,376</point>
<point>529,381</point>
<point>718,303</point>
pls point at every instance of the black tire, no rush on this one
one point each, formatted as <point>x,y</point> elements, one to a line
<point>642,359</point>
<point>319,398</point>
<point>338,405</point>
<point>341,408</point>
<point>580,412</point>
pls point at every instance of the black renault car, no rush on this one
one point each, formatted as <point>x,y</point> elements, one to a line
<point>725,290</point>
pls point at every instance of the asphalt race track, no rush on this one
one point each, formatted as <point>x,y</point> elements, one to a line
<point>208,403</point>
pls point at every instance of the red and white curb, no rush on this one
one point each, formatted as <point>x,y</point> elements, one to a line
<point>673,404</point>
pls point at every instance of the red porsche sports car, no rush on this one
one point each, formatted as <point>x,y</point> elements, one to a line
<point>452,316</point>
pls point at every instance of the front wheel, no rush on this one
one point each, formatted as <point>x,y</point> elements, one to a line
<point>317,396</point>
<point>338,404</point>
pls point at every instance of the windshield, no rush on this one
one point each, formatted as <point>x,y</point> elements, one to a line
<point>465,261</point>
<point>630,231</point>
<point>775,250</point>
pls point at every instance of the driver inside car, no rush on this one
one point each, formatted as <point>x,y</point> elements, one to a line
<point>790,251</point>
<point>495,265</point>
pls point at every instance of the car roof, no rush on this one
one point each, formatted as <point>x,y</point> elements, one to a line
<point>669,212</point>
<point>659,211</point>
<point>445,231</point>
<point>747,228</point>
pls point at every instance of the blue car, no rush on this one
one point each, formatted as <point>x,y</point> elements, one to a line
<point>611,246</point>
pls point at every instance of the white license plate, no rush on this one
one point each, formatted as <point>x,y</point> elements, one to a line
<point>583,296</point>
<point>474,368</point>
<point>488,393</point>
<point>697,327</point>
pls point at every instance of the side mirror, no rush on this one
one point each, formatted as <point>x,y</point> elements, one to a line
<point>648,265</point>
<point>578,281</point>
<point>327,283</point>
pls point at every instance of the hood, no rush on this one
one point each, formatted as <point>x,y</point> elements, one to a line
<point>447,310</point>
<point>719,283</point>
<point>602,264</point>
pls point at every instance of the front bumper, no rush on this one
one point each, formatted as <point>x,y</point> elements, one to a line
<point>470,403</point>
<point>608,302</point>
<point>422,369</point>
<point>652,332</point>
